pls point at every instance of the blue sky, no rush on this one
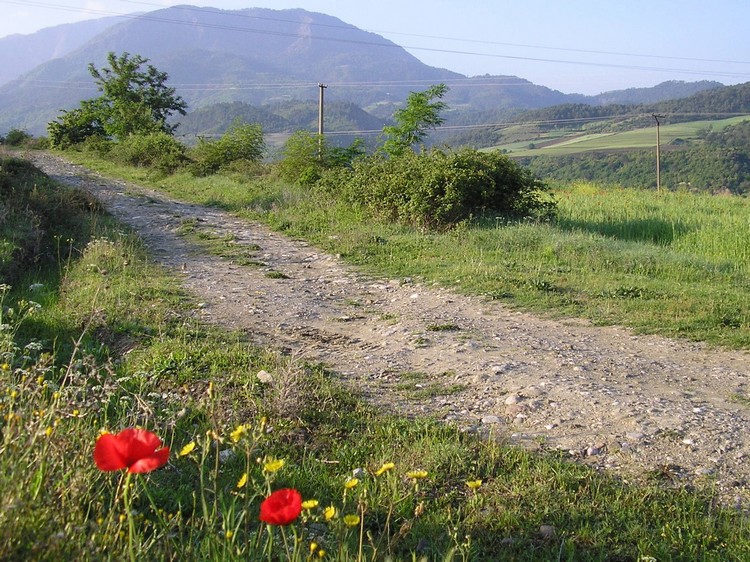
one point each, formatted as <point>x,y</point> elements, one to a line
<point>583,46</point>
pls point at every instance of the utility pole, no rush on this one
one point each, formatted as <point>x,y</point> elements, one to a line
<point>658,151</point>
<point>320,120</point>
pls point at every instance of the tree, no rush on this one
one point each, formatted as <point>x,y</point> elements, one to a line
<point>136,100</point>
<point>77,125</point>
<point>133,101</point>
<point>422,112</point>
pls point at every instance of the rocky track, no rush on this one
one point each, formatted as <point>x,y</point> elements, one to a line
<point>629,404</point>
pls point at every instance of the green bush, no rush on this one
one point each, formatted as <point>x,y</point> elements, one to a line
<point>16,137</point>
<point>437,189</point>
<point>307,157</point>
<point>75,126</point>
<point>240,142</point>
<point>159,150</point>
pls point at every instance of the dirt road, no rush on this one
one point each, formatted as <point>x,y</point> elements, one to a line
<point>625,403</point>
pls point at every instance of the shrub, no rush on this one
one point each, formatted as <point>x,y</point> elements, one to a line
<point>307,157</point>
<point>159,150</point>
<point>75,126</point>
<point>240,142</point>
<point>301,163</point>
<point>16,137</point>
<point>437,189</point>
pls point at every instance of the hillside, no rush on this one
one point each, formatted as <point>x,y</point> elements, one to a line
<point>21,53</point>
<point>214,56</point>
<point>703,140</point>
<point>258,57</point>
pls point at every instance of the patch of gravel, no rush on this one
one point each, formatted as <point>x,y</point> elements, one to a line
<point>629,404</point>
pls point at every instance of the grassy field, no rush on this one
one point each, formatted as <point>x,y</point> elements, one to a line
<point>576,142</point>
<point>100,339</point>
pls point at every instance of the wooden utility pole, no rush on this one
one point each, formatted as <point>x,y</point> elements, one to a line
<point>658,151</point>
<point>320,120</point>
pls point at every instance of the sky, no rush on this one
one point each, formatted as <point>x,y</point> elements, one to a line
<point>575,46</point>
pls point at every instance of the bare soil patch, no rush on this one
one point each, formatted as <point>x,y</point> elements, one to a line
<point>634,405</point>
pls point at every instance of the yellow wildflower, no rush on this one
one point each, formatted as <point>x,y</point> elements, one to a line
<point>273,465</point>
<point>351,483</point>
<point>242,481</point>
<point>351,520</point>
<point>229,534</point>
<point>329,513</point>
<point>385,468</point>
<point>5,367</point>
<point>417,474</point>
<point>310,504</point>
<point>239,432</point>
<point>313,546</point>
<point>474,484</point>
<point>48,431</point>
<point>187,449</point>
<point>321,553</point>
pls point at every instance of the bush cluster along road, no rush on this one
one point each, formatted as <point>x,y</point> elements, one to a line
<point>634,405</point>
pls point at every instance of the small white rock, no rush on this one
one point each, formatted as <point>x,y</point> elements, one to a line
<point>265,377</point>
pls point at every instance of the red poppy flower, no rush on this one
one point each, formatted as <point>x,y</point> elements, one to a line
<point>281,507</point>
<point>135,449</point>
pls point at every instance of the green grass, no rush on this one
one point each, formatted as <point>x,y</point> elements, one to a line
<point>144,362</point>
<point>574,143</point>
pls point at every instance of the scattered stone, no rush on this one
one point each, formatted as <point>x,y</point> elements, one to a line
<point>226,455</point>
<point>593,450</point>
<point>264,377</point>
<point>491,419</point>
<point>547,532</point>
<point>513,410</point>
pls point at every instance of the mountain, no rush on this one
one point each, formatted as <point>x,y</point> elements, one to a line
<point>21,53</point>
<point>255,56</point>
<point>670,90</point>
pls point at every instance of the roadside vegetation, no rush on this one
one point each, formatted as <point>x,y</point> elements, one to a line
<point>269,458</point>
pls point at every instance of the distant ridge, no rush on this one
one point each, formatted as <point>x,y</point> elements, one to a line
<point>21,53</point>
<point>255,56</point>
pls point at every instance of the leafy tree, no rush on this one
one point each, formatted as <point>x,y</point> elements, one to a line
<point>134,100</point>
<point>77,125</point>
<point>422,112</point>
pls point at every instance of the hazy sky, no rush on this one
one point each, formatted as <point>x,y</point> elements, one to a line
<point>585,46</point>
